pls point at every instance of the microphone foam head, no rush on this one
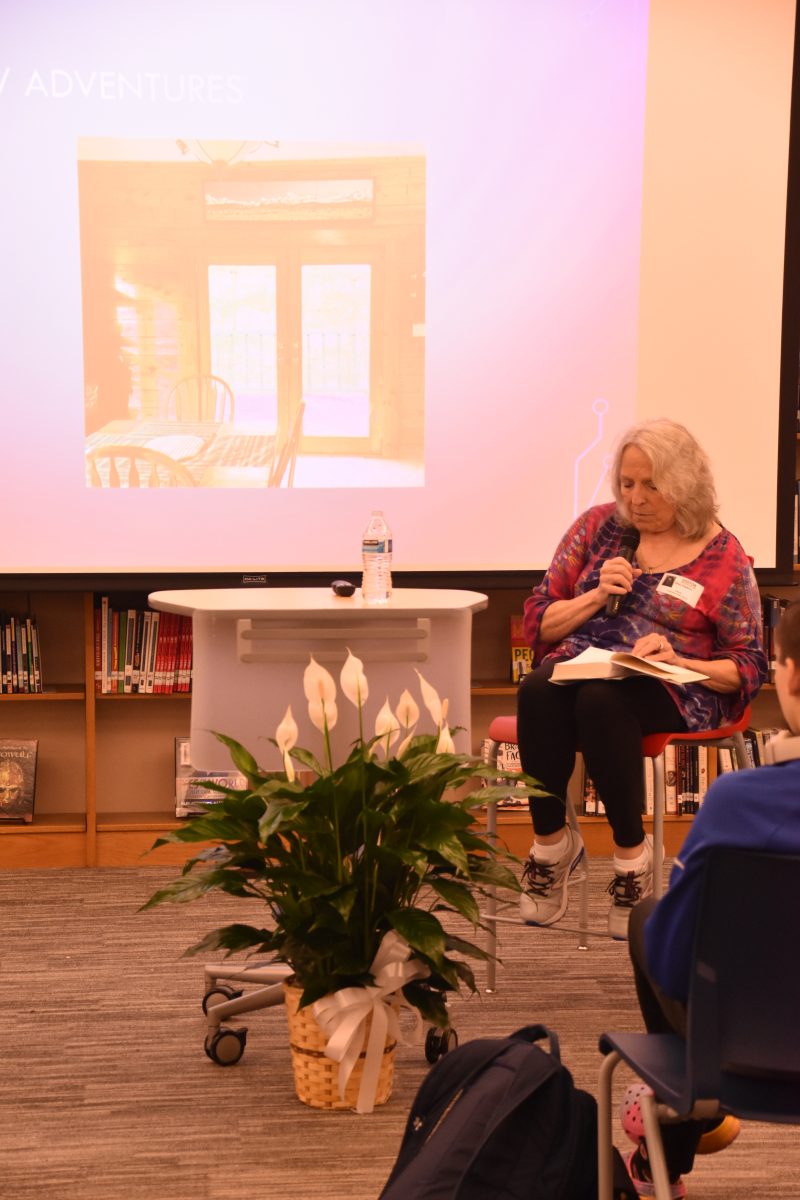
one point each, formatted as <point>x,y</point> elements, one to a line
<point>630,538</point>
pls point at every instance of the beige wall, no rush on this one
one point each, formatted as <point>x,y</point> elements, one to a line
<point>717,128</point>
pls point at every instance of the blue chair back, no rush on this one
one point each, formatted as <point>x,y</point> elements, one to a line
<point>743,1034</point>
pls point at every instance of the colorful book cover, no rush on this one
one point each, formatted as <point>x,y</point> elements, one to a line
<point>521,653</point>
<point>191,794</point>
<point>17,778</point>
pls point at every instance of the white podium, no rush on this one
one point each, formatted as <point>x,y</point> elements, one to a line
<point>252,647</point>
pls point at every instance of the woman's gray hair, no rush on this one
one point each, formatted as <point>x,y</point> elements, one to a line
<point>681,472</point>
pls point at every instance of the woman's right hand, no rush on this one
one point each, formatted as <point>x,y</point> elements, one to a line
<point>563,616</point>
<point>616,578</point>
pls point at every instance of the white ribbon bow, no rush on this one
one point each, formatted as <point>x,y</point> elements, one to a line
<point>342,1016</point>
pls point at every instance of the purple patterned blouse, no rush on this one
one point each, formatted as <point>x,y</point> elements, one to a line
<point>724,623</point>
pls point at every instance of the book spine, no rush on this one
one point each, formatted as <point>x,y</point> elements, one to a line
<point>15,663</point>
<point>172,670</point>
<point>751,748</point>
<point>649,787</point>
<point>31,678</point>
<point>98,648</point>
<point>589,796</point>
<point>151,663</point>
<point>724,760</point>
<point>120,622</point>
<point>24,683</point>
<point>680,777</point>
<point>38,680</point>
<point>670,778</point>
<point>702,773</point>
<point>130,641</point>
<point>163,633</point>
<point>105,645</point>
<point>9,656</point>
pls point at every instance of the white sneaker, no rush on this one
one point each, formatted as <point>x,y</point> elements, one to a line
<point>628,889</point>
<point>544,899</point>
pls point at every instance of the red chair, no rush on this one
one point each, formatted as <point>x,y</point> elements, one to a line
<point>504,729</point>
<point>731,736</point>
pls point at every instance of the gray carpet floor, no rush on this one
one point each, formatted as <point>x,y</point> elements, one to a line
<point>106,1093</point>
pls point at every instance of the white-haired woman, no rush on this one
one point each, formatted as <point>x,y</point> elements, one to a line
<point>689,598</point>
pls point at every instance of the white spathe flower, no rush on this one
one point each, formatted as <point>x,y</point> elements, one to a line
<point>354,681</point>
<point>430,698</point>
<point>386,727</point>
<point>407,710</point>
<point>318,684</point>
<point>286,737</point>
<point>445,744</point>
<point>322,713</point>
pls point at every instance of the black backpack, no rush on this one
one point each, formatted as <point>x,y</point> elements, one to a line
<point>501,1119</point>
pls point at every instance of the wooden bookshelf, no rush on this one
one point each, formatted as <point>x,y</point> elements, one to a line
<point>105,774</point>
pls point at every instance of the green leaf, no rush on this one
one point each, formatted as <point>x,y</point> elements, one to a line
<point>233,938</point>
<point>457,896</point>
<point>451,850</point>
<point>242,759</point>
<point>487,872</point>
<point>469,948</point>
<point>421,930</point>
<point>430,1002</point>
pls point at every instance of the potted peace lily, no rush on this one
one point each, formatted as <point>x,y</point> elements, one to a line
<point>355,863</point>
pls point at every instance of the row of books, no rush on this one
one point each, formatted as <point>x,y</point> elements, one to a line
<point>689,770</point>
<point>20,656</point>
<point>140,651</point>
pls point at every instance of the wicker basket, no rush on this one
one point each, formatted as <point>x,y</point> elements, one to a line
<point>316,1078</point>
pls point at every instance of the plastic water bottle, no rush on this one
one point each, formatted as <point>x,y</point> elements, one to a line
<point>376,558</point>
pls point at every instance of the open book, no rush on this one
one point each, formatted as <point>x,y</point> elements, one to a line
<point>615,664</point>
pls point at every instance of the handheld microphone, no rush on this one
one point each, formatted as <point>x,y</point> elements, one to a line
<point>627,548</point>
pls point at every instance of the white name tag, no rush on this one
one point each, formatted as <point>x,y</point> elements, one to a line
<point>687,590</point>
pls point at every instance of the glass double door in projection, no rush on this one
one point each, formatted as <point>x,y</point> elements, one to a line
<point>287,333</point>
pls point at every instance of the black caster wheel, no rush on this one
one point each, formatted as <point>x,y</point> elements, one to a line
<point>218,995</point>
<point>438,1042</point>
<point>226,1046</point>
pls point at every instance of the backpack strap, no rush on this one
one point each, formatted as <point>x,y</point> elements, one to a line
<point>535,1033</point>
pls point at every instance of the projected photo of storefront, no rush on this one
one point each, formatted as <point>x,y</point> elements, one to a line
<point>253,314</point>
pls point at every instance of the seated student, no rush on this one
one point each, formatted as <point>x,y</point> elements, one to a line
<point>756,809</point>
<point>688,598</point>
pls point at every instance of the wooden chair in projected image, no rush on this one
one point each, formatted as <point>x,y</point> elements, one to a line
<point>200,398</point>
<point>134,467</point>
<point>283,463</point>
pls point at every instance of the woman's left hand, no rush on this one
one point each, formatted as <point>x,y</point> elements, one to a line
<point>654,645</point>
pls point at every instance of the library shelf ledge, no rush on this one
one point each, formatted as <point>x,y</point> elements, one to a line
<point>134,822</point>
<point>58,691</point>
<point>125,839</point>
<point>492,687</point>
<point>146,697</point>
<point>71,822</point>
<point>50,840</point>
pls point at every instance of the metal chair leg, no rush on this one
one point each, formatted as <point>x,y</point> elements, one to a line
<point>605,1145</point>
<point>655,1147</point>
<point>583,883</point>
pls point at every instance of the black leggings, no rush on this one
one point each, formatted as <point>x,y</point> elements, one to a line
<point>605,720</point>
